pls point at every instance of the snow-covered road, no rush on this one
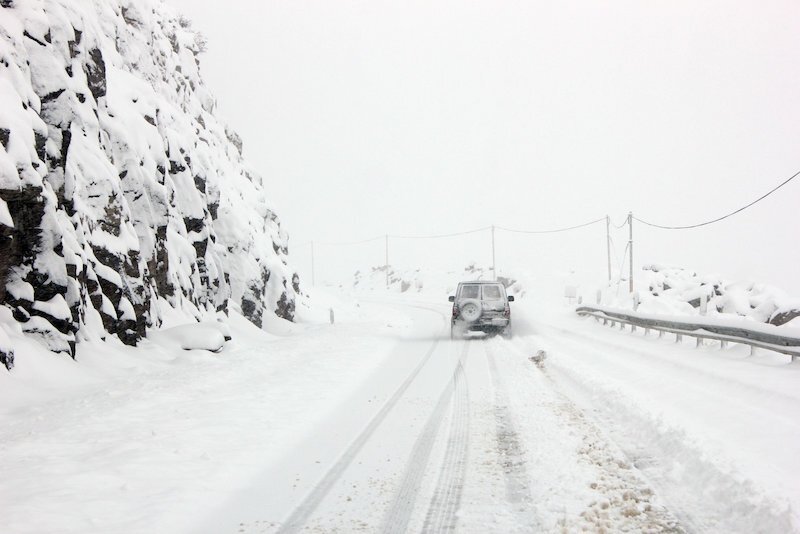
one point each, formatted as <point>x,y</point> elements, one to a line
<point>383,424</point>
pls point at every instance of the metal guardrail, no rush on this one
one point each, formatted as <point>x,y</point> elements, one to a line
<point>700,330</point>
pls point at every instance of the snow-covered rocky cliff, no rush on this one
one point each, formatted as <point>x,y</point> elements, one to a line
<point>122,196</point>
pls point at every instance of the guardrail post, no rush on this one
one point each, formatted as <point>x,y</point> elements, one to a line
<point>646,332</point>
<point>633,328</point>
<point>678,338</point>
<point>699,342</point>
<point>752,350</point>
<point>723,344</point>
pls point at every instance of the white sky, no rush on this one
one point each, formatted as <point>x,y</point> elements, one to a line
<point>435,116</point>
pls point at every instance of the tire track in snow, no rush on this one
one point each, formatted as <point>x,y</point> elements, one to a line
<point>399,514</point>
<point>442,513</point>
<point>700,494</point>
<point>627,503</point>
<point>303,511</point>
<point>517,478</point>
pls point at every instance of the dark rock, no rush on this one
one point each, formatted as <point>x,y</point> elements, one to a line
<point>175,167</point>
<point>66,139</point>
<point>21,314</point>
<point>20,244</point>
<point>7,356</point>
<point>32,38</point>
<point>200,183</point>
<point>5,135</point>
<point>40,141</point>
<point>96,73</point>
<point>193,224</point>
<point>251,311</point>
<point>234,138</point>
<point>285,308</point>
<point>782,318</point>
<point>296,283</point>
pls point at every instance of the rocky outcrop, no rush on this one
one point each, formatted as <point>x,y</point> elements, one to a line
<point>121,193</point>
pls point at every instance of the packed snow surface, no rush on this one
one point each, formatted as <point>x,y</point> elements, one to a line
<point>380,422</point>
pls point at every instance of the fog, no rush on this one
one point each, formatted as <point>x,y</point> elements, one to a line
<point>369,118</point>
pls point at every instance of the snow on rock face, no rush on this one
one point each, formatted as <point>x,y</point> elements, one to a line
<point>118,184</point>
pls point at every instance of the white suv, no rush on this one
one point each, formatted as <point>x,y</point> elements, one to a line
<point>480,307</point>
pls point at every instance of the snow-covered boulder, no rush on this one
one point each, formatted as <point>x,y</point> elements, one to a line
<point>210,336</point>
<point>665,290</point>
<point>118,184</point>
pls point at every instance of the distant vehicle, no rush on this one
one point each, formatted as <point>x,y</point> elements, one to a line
<point>480,306</point>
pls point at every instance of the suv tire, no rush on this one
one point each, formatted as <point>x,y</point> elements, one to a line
<point>470,310</point>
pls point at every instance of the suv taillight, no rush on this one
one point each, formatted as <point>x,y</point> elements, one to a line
<point>507,311</point>
<point>455,311</point>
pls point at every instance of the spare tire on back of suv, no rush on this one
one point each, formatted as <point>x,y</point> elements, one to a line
<point>470,310</point>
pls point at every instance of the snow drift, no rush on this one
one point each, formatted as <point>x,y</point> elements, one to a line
<point>121,193</point>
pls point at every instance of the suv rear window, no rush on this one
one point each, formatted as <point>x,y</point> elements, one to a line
<point>471,291</point>
<point>492,292</point>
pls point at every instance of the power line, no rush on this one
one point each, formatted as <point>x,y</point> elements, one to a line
<point>346,243</point>
<point>602,219</point>
<point>437,236</point>
<point>759,199</point>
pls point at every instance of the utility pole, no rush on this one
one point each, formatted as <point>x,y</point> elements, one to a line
<point>387,261</point>
<point>313,282</point>
<point>630,250</point>
<point>494,266</point>
<point>608,246</point>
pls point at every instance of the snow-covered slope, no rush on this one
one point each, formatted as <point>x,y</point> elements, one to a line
<point>121,193</point>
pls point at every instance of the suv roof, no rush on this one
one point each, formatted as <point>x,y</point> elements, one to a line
<point>481,282</point>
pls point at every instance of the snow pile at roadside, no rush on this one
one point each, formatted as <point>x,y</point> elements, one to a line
<point>122,195</point>
<point>680,292</point>
<point>207,335</point>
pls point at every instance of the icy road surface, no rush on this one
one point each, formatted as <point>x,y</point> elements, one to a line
<point>381,423</point>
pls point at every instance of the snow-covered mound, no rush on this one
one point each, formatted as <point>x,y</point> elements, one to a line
<point>675,291</point>
<point>121,193</point>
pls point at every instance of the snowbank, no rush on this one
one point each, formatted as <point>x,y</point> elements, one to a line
<point>680,292</point>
